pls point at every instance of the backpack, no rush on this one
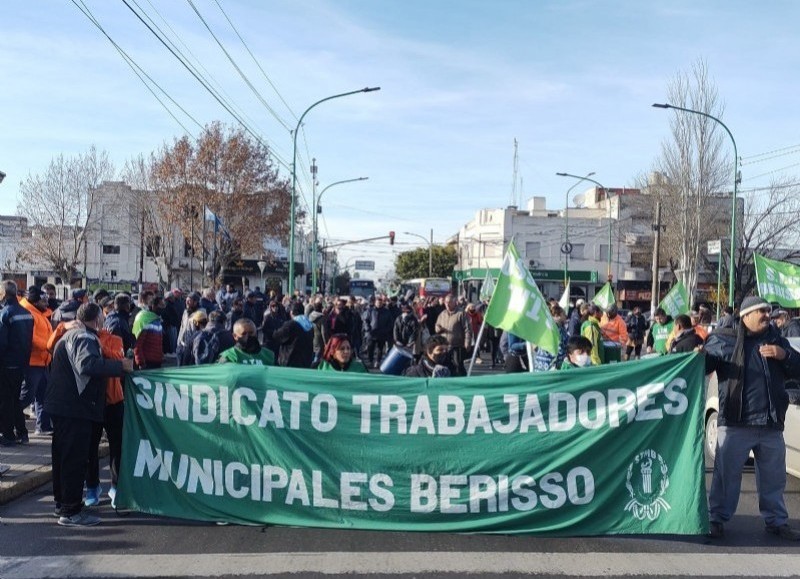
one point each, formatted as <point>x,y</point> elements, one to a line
<point>205,348</point>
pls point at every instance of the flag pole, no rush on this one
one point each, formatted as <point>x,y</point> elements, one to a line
<point>477,347</point>
<point>529,348</point>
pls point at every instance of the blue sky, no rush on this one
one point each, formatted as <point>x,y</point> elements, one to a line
<point>571,80</point>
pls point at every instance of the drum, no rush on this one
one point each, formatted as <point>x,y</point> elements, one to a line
<point>397,360</point>
<point>613,352</point>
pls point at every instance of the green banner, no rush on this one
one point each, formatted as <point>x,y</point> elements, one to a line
<point>778,281</point>
<point>676,302</point>
<point>615,449</point>
<point>518,306</point>
<point>487,287</point>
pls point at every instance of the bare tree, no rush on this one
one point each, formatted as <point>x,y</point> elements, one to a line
<point>156,221</point>
<point>60,205</point>
<point>697,172</point>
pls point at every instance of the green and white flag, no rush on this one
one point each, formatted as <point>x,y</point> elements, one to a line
<point>487,288</point>
<point>263,445</point>
<point>778,281</point>
<point>676,302</point>
<point>518,307</point>
<point>564,301</point>
<point>605,297</point>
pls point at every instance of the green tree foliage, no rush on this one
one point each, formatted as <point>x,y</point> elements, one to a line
<point>411,264</point>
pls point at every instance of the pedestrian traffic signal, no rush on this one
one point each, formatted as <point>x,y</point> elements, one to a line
<point>391,238</point>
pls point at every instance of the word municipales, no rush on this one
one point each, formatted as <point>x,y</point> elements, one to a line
<point>393,414</point>
<point>359,491</point>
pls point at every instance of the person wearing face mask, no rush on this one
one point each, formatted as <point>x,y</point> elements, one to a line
<point>435,363</point>
<point>247,349</point>
<point>578,353</point>
<point>405,328</point>
<point>339,356</point>
<point>35,385</point>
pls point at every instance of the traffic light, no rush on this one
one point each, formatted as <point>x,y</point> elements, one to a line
<point>391,238</point>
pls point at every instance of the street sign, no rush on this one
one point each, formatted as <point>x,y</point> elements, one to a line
<point>715,247</point>
<point>364,264</point>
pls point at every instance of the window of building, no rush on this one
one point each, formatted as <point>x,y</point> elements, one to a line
<point>113,274</point>
<point>604,252</point>
<point>111,249</point>
<point>533,249</point>
<point>578,251</point>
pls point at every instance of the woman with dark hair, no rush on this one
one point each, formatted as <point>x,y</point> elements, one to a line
<point>338,356</point>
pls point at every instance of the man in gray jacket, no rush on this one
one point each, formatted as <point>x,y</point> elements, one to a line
<point>76,397</point>
<point>454,325</point>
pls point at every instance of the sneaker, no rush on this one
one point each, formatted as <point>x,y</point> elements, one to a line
<point>39,432</point>
<point>112,494</point>
<point>4,468</point>
<point>93,496</point>
<point>478,361</point>
<point>82,519</point>
<point>23,438</point>
<point>784,532</point>
<point>716,530</point>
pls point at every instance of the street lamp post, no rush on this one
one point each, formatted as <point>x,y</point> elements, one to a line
<point>294,177</point>
<point>316,210</point>
<point>430,249</point>
<point>732,264</point>
<point>566,249</point>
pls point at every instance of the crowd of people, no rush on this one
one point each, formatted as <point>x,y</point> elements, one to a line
<point>64,363</point>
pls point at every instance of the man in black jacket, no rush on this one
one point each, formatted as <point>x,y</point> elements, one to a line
<point>296,339</point>
<point>16,339</point>
<point>686,339</point>
<point>637,330</point>
<point>76,397</point>
<point>752,361</point>
<point>789,328</point>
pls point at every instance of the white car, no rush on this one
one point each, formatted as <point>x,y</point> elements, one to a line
<point>791,433</point>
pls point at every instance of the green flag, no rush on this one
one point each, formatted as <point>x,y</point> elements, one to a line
<point>778,281</point>
<point>605,297</point>
<point>518,307</point>
<point>676,302</point>
<point>487,288</point>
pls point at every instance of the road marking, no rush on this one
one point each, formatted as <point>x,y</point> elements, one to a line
<point>395,563</point>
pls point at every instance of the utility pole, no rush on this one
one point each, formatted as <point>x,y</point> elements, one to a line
<point>657,228</point>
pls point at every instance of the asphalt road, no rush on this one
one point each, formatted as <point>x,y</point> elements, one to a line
<point>32,545</point>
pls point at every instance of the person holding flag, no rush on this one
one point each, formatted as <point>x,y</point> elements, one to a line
<point>518,307</point>
<point>660,332</point>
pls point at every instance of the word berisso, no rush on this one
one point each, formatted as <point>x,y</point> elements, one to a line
<point>424,414</point>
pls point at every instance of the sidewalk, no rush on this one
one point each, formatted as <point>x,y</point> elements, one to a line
<point>30,465</point>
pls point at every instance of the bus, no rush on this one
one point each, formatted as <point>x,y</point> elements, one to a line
<point>425,287</point>
<point>363,288</point>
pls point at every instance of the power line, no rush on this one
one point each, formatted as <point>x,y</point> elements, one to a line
<point>204,84</point>
<point>255,60</point>
<point>239,70</point>
<point>139,71</point>
<point>768,153</point>
<point>775,171</point>
<point>177,36</point>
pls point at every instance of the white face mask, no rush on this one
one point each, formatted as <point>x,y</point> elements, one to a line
<point>582,360</point>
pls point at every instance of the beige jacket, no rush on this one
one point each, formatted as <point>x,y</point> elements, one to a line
<point>455,327</point>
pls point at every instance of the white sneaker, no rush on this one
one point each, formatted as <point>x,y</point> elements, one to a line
<point>82,519</point>
<point>4,468</point>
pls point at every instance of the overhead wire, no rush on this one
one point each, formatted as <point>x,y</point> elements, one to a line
<point>208,75</point>
<point>770,154</point>
<point>238,68</point>
<point>139,71</point>
<point>205,85</point>
<point>247,48</point>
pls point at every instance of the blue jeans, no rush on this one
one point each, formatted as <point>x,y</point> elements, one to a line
<point>734,444</point>
<point>36,381</point>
